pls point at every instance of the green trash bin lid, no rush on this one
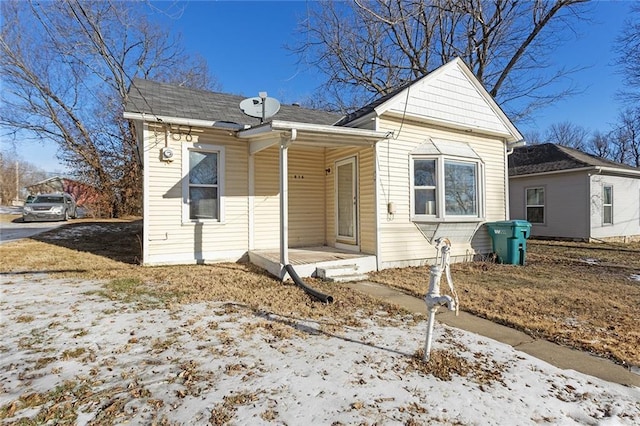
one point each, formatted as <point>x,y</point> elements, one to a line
<point>509,227</point>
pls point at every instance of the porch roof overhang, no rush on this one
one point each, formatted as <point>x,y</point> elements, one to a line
<point>215,124</point>
<point>285,133</point>
<point>317,135</point>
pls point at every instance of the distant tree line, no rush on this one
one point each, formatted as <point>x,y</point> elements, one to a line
<point>15,174</point>
<point>620,144</point>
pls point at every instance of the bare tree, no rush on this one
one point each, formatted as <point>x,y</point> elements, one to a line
<point>371,47</point>
<point>599,144</point>
<point>568,134</point>
<point>15,174</point>
<point>628,48</point>
<point>66,70</point>
<point>534,137</point>
<point>625,138</point>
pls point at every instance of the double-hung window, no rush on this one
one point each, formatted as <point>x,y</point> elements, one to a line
<point>424,186</point>
<point>535,205</point>
<point>203,171</point>
<point>607,205</point>
<point>446,180</point>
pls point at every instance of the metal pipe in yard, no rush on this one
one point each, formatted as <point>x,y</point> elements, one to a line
<point>433,299</point>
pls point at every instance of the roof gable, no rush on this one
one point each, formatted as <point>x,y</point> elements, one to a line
<point>450,96</point>
<point>548,157</point>
<point>168,100</point>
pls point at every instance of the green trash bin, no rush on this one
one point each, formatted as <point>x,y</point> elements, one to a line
<point>509,240</point>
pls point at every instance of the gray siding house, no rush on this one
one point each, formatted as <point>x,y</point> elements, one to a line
<point>566,193</point>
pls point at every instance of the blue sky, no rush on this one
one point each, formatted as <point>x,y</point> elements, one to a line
<point>243,43</point>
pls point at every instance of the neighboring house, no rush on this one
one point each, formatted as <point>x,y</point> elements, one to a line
<point>85,196</point>
<point>566,193</point>
<point>314,189</point>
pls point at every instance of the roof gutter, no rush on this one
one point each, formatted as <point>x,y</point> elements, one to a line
<point>513,145</point>
<point>226,125</point>
<point>618,171</point>
<point>598,169</point>
<point>288,126</point>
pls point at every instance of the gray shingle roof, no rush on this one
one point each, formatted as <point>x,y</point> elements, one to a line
<point>163,99</point>
<point>370,107</point>
<point>549,157</point>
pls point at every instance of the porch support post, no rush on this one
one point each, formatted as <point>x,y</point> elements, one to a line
<point>252,193</point>
<point>285,142</point>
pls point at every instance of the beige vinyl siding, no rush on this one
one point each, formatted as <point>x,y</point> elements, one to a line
<point>401,242</point>
<point>451,98</point>
<point>367,189</point>
<point>306,197</point>
<point>266,202</point>
<point>169,240</point>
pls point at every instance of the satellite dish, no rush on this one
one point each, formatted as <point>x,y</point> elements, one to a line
<point>260,107</point>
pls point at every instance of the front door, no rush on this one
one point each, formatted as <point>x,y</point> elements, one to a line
<point>346,201</point>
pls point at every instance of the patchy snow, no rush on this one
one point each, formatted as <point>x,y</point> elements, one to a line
<point>11,210</point>
<point>76,232</point>
<point>221,362</point>
<point>590,261</point>
<point>634,277</point>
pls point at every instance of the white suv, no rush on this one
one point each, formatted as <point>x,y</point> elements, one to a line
<point>50,207</point>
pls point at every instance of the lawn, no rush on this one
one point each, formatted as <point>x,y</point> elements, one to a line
<point>582,295</point>
<point>91,337</point>
<point>585,296</point>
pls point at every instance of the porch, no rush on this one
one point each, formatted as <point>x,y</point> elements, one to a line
<point>318,261</point>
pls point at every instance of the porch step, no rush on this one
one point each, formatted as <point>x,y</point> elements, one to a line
<point>340,273</point>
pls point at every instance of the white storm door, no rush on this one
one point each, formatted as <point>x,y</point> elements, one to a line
<point>346,201</point>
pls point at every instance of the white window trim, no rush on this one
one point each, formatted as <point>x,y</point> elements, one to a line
<point>544,205</point>
<point>440,215</point>
<point>202,147</point>
<point>607,205</point>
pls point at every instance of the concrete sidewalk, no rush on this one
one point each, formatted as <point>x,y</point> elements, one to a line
<point>552,353</point>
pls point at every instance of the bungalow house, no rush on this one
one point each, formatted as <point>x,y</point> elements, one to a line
<point>322,192</point>
<point>566,193</point>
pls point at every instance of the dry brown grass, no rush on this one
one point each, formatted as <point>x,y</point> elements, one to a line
<point>110,249</point>
<point>6,218</point>
<point>559,295</point>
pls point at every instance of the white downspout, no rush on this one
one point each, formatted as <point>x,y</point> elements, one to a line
<point>144,136</point>
<point>507,152</point>
<point>376,200</point>
<point>285,142</point>
<point>251,207</point>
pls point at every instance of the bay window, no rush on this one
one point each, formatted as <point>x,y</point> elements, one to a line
<point>445,186</point>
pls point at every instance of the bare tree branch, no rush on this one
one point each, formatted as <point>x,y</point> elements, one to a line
<point>370,47</point>
<point>70,90</point>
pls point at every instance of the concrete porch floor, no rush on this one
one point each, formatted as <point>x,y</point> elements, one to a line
<point>306,260</point>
